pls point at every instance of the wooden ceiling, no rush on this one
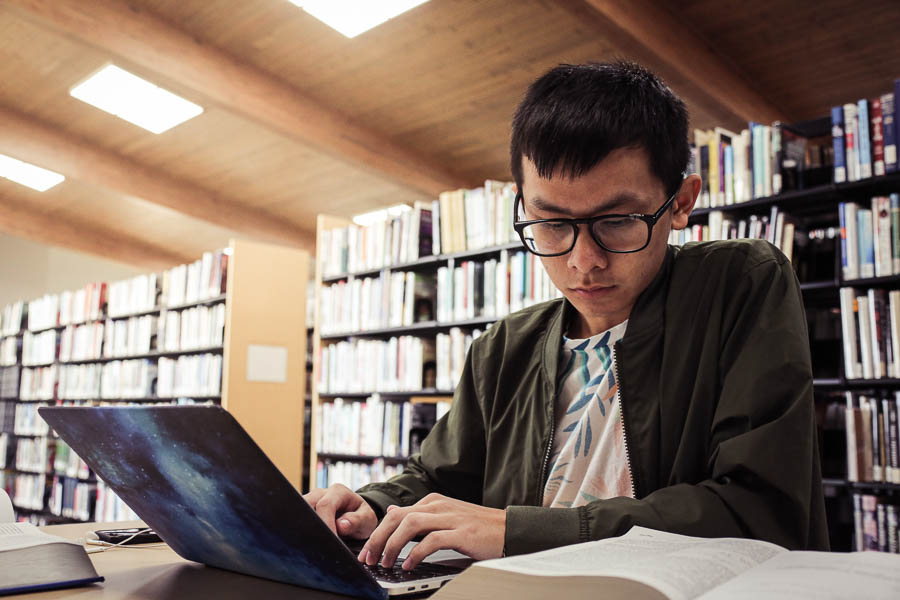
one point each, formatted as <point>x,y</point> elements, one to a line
<point>300,120</point>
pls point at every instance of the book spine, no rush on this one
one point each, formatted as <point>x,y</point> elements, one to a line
<point>866,243</point>
<point>849,331</point>
<point>889,127</point>
<point>858,536</point>
<point>877,137</point>
<point>837,139</point>
<point>865,153</point>
<point>851,141</point>
<point>850,436</point>
<point>777,156</point>
<point>881,206</point>
<point>877,471</point>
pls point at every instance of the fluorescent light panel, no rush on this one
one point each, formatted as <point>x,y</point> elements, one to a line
<point>352,17</point>
<point>136,100</point>
<point>27,174</point>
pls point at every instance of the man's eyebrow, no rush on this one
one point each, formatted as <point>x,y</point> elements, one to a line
<point>617,201</point>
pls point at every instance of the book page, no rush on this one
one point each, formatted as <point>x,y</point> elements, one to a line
<point>14,536</point>
<point>819,576</point>
<point>679,566</point>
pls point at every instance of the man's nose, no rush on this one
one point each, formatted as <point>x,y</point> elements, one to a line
<point>587,255</point>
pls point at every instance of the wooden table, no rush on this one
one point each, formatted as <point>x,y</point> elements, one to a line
<point>157,572</point>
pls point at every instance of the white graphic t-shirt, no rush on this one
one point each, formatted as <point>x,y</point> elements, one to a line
<point>588,460</point>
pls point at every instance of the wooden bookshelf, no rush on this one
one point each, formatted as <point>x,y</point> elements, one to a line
<point>424,329</point>
<point>815,208</point>
<point>265,302</point>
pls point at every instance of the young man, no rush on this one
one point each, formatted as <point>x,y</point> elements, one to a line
<point>671,388</point>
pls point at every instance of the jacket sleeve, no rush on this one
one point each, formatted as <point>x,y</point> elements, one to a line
<point>451,461</point>
<point>764,479</point>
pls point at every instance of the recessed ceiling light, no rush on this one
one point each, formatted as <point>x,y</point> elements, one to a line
<point>27,174</point>
<point>136,100</point>
<point>352,17</point>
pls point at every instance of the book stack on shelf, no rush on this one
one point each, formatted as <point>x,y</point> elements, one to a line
<point>154,338</point>
<point>845,249</point>
<point>399,301</point>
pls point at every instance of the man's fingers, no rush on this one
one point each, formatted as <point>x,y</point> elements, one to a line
<point>314,496</point>
<point>413,524</point>
<point>434,541</point>
<point>359,523</point>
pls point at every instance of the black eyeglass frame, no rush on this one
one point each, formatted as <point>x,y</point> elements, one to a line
<point>650,220</point>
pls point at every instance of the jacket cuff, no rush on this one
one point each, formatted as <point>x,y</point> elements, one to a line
<point>535,528</point>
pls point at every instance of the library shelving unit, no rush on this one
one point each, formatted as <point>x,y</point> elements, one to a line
<point>427,328</point>
<point>258,376</point>
<point>818,262</point>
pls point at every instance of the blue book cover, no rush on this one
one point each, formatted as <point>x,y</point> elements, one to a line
<point>837,138</point>
<point>729,175</point>
<point>865,146</point>
<point>866,243</point>
<point>889,130</point>
<point>842,221</point>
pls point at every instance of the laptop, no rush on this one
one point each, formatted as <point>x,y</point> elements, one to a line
<point>197,478</point>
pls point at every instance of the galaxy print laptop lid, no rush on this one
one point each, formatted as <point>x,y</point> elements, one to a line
<point>195,476</point>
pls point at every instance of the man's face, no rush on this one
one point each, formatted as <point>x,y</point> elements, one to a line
<point>603,286</point>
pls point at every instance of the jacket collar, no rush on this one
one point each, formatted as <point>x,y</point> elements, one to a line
<point>646,317</point>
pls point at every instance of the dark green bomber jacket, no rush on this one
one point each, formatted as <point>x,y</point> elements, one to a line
<point>715,383</point>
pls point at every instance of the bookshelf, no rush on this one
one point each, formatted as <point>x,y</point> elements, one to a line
<point>820,258</point>
<point>239,342</point>
<point>466,281</point>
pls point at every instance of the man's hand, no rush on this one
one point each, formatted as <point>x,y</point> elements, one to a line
<point>474,530</point>
<point>345,512</point>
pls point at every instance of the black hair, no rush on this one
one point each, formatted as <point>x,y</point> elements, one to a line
<point>573,116</point>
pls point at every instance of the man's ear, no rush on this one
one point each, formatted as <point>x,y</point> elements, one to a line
<point>684,201</point>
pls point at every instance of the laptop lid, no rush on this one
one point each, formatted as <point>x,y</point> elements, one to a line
<point>195,476</point>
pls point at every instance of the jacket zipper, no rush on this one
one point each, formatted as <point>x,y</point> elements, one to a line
<point>549,447</point>
<point>621,393</point>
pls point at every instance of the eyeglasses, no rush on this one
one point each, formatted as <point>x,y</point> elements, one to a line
<point>614,233</point>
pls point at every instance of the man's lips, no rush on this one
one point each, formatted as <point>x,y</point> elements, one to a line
<point>592,289</point>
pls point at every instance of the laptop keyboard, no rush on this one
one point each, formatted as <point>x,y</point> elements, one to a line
<point>396,574</point>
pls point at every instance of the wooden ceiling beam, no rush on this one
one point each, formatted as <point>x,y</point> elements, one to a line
<point>675,45</point>
<point>20,221</point>
<point>128,30</point>
<point>30,140</point>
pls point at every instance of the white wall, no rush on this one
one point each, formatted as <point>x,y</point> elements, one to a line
<point>29,269</point>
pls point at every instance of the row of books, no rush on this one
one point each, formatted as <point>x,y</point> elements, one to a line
<point>761,160</point>
<point>4,449</point>
<point>360,365</point>
<point>71,498</point>
<point>451,350</point>
<point>870,324</point>
<point>28,421</point>
<point>192,328</point>
<point>187,376</point>
<point>11,318</point>
<point>80,342</point>
<point>354,474</point>
<point>9,383</point>
<point>112,380</point>
<point>31,455</point>
<point>9,351</point>
<point>777,228</point>
<point>392,299</point>
<point>27,491</point>
<point>127,337</point>
<point>875,523</point>
<point>39,348</point>
<point>130,296</point>
<point>870,238</point>
<point>493,288</point>
<point>7,416</point>
<point>865,137</point>
<point>459,220</point>
<point>109,507</point>
<point>373,427</point>
<point>871,430</point>
<point>69,307</point>
<point>38,383</point>
<point>200,280</point>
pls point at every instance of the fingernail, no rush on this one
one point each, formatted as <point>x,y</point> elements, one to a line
<point>344,523</point>
<point>371,559</point>
<point>363,555</point>
<point>407,564</point>
<point>390,508</point>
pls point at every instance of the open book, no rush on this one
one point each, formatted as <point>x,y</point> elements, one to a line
<point>31,560</point>
<point>652,565</point>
